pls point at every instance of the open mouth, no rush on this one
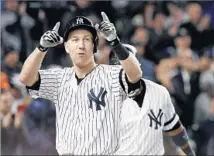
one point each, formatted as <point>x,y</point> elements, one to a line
<point>81,54</point>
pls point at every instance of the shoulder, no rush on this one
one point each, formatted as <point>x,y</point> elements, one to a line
<point>155,88</point>
<point>153,85</point>
<point>65,69</point>
<point>110,68</point>
<point>158,95</point>
<point>57,71</point>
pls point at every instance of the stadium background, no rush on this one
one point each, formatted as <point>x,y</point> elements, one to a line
<point>175,43</point>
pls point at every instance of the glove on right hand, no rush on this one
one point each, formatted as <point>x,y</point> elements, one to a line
<point>51,38</point>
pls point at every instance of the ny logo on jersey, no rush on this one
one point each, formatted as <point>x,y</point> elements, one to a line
<point>155,118</point>
<point>98,100</point>
<point>79,21</point>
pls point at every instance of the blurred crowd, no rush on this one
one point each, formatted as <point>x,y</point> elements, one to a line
<point>175,43</point>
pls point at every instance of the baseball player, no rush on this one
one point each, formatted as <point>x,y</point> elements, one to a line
<point>87,96</point>
<point>145,117</point>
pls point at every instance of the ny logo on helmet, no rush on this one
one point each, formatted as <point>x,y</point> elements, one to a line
<point>79,21</point>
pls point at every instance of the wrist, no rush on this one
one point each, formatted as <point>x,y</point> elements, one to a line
<point>188,151</point>
<point>114,42</point>
<point>42,49</point>
<point>121,52</point>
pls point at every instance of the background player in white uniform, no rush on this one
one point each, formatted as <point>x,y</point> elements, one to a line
<point>88,96</point>
<point>146,117</point>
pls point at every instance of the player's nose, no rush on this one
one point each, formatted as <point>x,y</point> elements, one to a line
<point>81,44</point>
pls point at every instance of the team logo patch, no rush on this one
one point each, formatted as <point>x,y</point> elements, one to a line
<point>98,100</point>
<point>155,118</point>
<point>79,21</point>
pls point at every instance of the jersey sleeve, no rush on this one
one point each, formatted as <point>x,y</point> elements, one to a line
<point>47,85</point>
<point>122,80</point>
<point>118,78</point>
<point>171,117</point>
<point>129,89</point>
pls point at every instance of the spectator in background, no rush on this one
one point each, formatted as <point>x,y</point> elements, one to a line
<point>160,38</point>
<point>149,10</point>
<point>196,17</point>
<point>157,30</point>
<point>6,100</point>
<point>210,144</point>
<point>9,17</point>
<point>39,121</point>
<point>4,81</point>
<point>41,25</point>
<point>123,14</point>
<point>179,78</point>
<point>10,62</point>
<point>203,104</point>
<point>204,115</point>
<point>198,24</point>
<point>12,67</point>
<point>18,135</point>
<point>79,8</point>
<point>12,137</point>
<point>205,133</point>
<point>140,40</point>
<point>19,92</point>
<point>15,26</point>
<point>207,59</point>
<point>177,15</point>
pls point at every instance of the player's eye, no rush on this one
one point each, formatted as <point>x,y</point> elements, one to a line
<point>87,39</point>
<point>74,39</point>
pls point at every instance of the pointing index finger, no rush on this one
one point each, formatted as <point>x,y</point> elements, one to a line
<point>56,27</point>
<point>105,17</point>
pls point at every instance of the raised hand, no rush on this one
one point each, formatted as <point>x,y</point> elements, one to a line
<point>106,28</point>
<point>51,38</point>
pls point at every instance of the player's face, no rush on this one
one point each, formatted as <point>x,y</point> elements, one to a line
<point>80,47</point>
<point>6,100</point>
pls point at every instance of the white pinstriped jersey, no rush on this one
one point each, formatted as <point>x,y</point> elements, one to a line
<point>141,131</point>
<point>88,114</point>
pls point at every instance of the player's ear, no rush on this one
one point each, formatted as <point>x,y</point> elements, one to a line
<point>66,47</point>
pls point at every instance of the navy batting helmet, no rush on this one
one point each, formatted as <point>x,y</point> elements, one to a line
<point>81,22</point>
<point>113,59</point>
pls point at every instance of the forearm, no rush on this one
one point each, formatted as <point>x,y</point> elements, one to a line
<point>29,72</point>
<point>181,139</point>
<point>129,63</point>
<point>187,149</point>
<point>132,69</point>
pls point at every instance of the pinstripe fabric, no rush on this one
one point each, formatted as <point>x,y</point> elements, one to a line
<point>82,130</point>
<point>138,133</point>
